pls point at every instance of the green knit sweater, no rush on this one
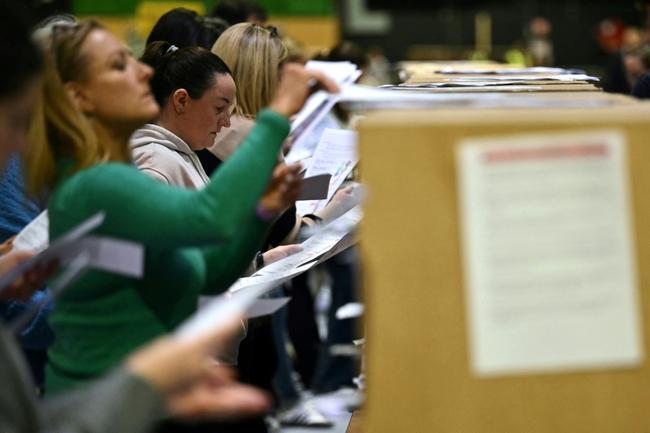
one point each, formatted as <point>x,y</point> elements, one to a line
<point>197,242</point>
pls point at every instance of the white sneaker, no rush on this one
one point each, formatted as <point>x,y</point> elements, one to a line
<point>304,415</point>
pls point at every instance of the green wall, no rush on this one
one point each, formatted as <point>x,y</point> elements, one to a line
<point>275,7</point>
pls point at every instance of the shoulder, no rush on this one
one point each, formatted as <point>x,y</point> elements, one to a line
<point>156,156</point>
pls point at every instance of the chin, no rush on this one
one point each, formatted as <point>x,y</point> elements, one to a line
<point>150,114</point>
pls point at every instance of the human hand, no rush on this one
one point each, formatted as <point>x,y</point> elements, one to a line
<point>296,85</point>
<point>218,395</point>
<point>279,253</point>
<point>344,200</point>
<point>25,285</point>
<point>283,189</point>
<point>7,245</point>
<point>184,373</point>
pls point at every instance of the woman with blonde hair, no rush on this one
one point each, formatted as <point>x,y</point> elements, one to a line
<point>95,95</point>
<point>254,55</point>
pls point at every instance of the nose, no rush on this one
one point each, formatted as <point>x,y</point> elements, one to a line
<point>146,71</point>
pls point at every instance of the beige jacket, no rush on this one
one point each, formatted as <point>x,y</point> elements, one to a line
<point>164,156</point>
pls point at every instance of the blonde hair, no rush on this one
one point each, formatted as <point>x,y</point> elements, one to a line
<point>254,55</point>
<point>58,128</point>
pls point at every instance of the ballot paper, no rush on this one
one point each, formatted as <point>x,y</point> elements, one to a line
<point>336,154</point>
<point>258,308</point>
<point>320,103</point>
<point>548,253</point>
<point>508,71</point>
<point>360,97</point>
<point>266,306</point>
<point>75,269</point>
<point>63,250</point>
<point>304,149</point>
<point>117,256</point>
<point>323,244</point>
<point>106,254</point>
<point>223,310</point>
<point>34,236</point>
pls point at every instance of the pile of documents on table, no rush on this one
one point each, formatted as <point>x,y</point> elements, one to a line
<point>489,77</point>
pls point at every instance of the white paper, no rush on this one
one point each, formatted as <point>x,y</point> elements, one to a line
<point>223,310</point>
<point>305,148</point>
<point>323,244</point>
<point>63,250</point>
<point>265,307</point>
<point>220,312</point>
<point>336,154</point>
<point>548,252</point>
<point>319,104</point>
<point>73,271</point>
<point>507,71</point>
<point>35,234</point>
<point>370,98</point>
<point>114,255</point>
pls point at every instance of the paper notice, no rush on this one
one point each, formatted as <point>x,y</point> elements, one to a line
<point>548,252</point>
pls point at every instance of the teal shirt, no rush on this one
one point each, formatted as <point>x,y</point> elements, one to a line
<point>197,242</point>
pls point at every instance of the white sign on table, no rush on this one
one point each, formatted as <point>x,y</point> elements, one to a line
<point>548,253</point>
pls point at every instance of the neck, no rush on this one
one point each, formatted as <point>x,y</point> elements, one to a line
<point>116,139</point>
<point>171,123</point>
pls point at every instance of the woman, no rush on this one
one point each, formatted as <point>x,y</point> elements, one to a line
<point>169,372</point>
<point>254,54</point>
<point>195,91</point>
<point>196,241</point>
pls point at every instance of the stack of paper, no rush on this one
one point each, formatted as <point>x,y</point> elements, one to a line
<point>503,78</point>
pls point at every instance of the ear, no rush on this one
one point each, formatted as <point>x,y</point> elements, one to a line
<point>180,99</point>
<point>78,97</point>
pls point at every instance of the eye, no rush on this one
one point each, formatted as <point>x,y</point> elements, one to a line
<point>120,61</point>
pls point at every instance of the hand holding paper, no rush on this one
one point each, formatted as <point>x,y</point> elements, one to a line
<point>32,279</point>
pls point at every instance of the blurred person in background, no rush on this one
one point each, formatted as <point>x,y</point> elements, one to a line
<point>240,11</point>
<point>540,45</point>
<point>185,28</point>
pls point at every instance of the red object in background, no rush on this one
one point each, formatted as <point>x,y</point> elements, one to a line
<point>610,34</point>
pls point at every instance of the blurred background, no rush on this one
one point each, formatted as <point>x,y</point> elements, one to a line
<point>608,39</point>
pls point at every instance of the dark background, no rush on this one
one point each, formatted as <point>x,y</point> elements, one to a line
<point>446,22</point>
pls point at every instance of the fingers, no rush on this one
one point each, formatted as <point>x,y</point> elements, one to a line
<point>225,403</point>
<point>289,250</point>
<point>322,81</point>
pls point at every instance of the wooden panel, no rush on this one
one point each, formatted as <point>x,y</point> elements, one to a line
<point>417,355</point>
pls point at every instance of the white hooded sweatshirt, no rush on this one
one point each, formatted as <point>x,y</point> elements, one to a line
<point>164,156</point>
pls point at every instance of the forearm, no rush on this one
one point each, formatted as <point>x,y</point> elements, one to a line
<point>144,210</point>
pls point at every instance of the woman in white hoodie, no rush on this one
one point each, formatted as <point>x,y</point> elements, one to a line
<point>196,92</point>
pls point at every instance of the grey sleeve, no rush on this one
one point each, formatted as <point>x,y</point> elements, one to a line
<point>120,402</point>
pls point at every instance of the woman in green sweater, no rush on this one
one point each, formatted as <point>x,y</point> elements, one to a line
<point>196,241</point>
